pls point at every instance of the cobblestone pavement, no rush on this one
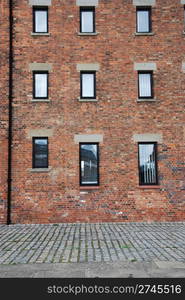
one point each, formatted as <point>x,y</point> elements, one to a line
<point>103,242</point>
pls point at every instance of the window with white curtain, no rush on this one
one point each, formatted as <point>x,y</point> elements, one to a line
<point>40,84</point>
<point>88,85</point>
<point>40,19</point>
<point>143,20</point>
<point>145,80</point>
<point>147,163</point>
<point>87,19</point>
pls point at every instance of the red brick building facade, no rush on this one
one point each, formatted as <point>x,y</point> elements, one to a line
<point>4,104</point>
<point>134,58</point>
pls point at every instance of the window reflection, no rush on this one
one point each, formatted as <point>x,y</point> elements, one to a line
<point>89,163</point>
<point>40,153</point>
<point>147,163</point>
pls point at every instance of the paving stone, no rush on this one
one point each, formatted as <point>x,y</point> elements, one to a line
<point>92,242</point>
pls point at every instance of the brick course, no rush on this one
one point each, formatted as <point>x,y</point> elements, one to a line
<point>55,196</point>
<point>4,71</point>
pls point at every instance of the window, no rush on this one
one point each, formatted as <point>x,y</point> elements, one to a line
<point>89,164</point>
<point>145,84</point>
<point>40,84</point>
<point>40,19</point>
<point>147,164</point>
<point>143,19</point>
<point>40,152</point>
<point>87,19</point>
<point>88,84</point>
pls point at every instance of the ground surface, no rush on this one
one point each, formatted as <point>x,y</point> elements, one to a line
<point>87,250</point>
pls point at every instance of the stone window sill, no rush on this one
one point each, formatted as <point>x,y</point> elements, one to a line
<point>85,188</point>
<point>87,100</point>
<point>40,34</point>
<point>144,33</point>
<point>41,100</point>
<point>88,33</point>
<point>144,187</point>
<point>146,100</point>
<point>40,170</point>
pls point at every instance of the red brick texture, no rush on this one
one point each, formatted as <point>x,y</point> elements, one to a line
<point>55,196</point>
<point>4,71</point>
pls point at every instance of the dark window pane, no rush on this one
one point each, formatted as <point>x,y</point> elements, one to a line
<point>89,164</point>
<point>88,85</point>
<point>147,163</point>
<point>143,21</point>
<point>145,85</point>
<point>40,20</point>
<point>40,154</point>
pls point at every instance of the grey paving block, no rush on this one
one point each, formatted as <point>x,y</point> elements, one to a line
<point>142,242</point>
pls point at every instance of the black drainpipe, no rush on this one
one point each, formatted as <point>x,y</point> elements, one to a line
<point>10,112</point>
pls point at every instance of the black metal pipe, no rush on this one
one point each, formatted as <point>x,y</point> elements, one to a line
<point>10,112</point>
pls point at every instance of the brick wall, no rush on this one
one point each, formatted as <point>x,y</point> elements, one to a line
<point>4,69</point>
<point>55,196</point>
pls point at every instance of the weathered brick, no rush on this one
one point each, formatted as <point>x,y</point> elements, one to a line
<point>55,196</point>
<point>4,71</point>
